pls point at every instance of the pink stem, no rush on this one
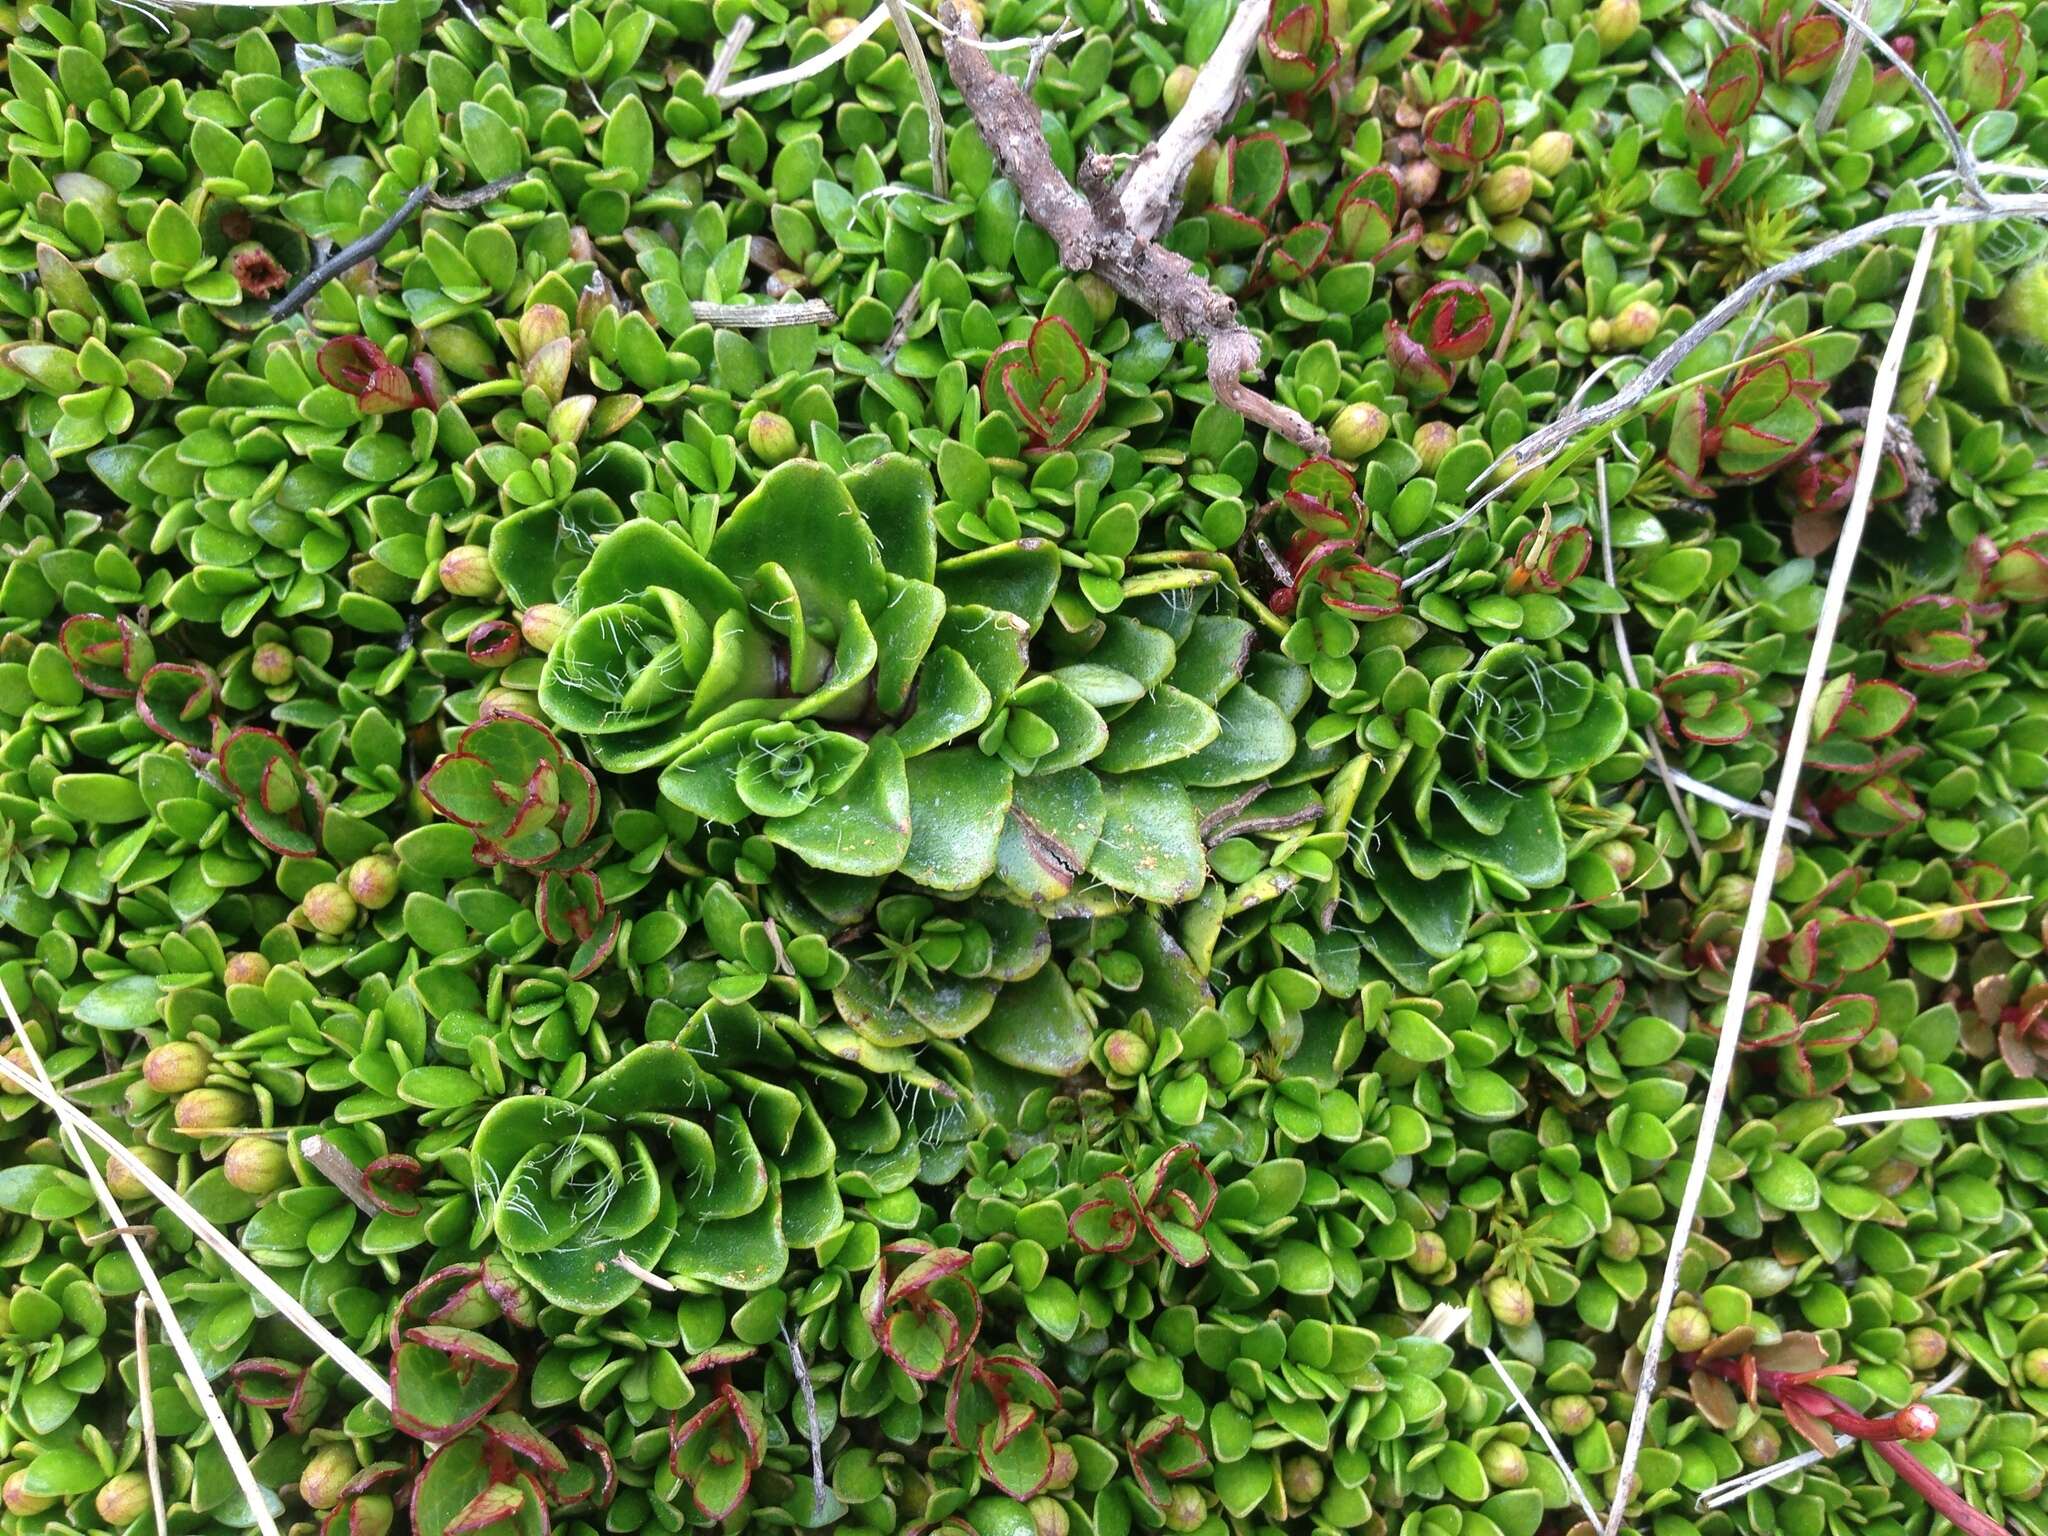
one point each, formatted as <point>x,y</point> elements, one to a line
<point>1942,1499</point>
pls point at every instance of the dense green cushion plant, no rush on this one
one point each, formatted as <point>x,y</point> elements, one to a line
<point>908,923</point>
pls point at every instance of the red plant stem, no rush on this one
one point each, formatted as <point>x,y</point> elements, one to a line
<point>1887,1435</point>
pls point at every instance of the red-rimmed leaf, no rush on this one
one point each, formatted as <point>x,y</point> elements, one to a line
<point>108,655</point>
<point>1452,321</point>
<point>357,367</point>
<point>717,1451</point>
<point>275,799</point>
<point>444,1380</point>
<point>1051,382</point>
<point>1463,133</point>
<point>1367,213</point>
<point>176,700</point>
<point>1997,58</point>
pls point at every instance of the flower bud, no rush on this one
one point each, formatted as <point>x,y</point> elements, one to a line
<point>1359,428</point>
<point>1509,1301</point>
<point>1570,1414</point>
<point>1048,1516</point>
<point>1917,1421</point>
<point>1504,1463</point>
<point>19,1501</point>
<point>373,881</point>
<point>326,1475</point>
<point>1760,1447</point>
<point>541,326</point>
<point>121,1179</point>
<point>466,572</point>
<point>1184,1510</point>
<point>330,909</point>
<point>1100,296</point>
<point>1302,1477</point>
<point>771,438</point>
<point>1178,85</point>
<point>271,664</point>
<point>1430,1255</point>
<point>1688,1329</point>
<point>1419,182</point>
<point>176,1067</point>
<point>1616,21</point>
<point>839,28</point>
<point>1620,857</point>
<point>205,1110</point>
<point>16,1058</point>
<point>123,1499</point>
<point>2034,1367</point>
<point>257,1165</point>
<point>543,624</point>
<point>1621,1242</point>
<point>1434,439</point>
<point>2021,311</point>
<point>1505,192</point>
<point>1066,1466</point>
<point>1600,333</point>
<point>1926,1348</point>
<point>1125,1053</point>
<point>245,968</point>
<point>1550,152</point>
<point>1636,326</point>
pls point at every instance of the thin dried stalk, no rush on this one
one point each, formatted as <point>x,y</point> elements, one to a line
<point>1151,191</point>
<point>150,1456</point>
<point>802,1373</point>
<point>728,54</point>
<point>1628,670</point>
<point>1765,880</point>
<point>1959,152</point>
<point>339,1169</point>
<point>1966,1111</point>
<point>816,64</point>
<point>39,1083</point>
<point>1528,1411</point>
<point>1845,71</point>
<point>272,1293</point>
<point>1088,229</point>
<point>764,317</point>
<point>927,89</point>
<point>1546,442</point>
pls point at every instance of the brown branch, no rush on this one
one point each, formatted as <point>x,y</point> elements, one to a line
<point>1151,192</point>
<point>1161,282</point>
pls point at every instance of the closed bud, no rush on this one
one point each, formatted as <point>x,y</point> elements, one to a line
<point>1419,182</point>
<point>1048,1516</point>
<point>1302,1477</point>
<point>1434,439</point>
<point>330,909</point>
<point>1430,1255</point>
<point>1184,1510</point>
<point>1100,296</point>
<point>1359,428</point>
<point>1621,1242</point>
<point>19,1501</point>
<point>1917,1421</point>
<point>205,1110</point>
<point>839,28</point>
<point>122,1182</point>
<point>1504,1464</point>
<point>1550,152</point>
<point>1505,192</point>
<point>257,1165</point>
<point>466,572</point>
<point>123,1500</point>
<point>1760,1447</point>
<point>245,968</point>
<point>1126,1054</point>
<point>543,624</point>
<point>373,881</point>
<point>1619,857</point>
<point>1688,1329</point>
<point>271,664</point>
<point>1926,1348</point>
<point>548,369</point>
<point>1600,333</point>
<point>1066,1466</point>
<point>1636,326</point>
<point>541,326</point>
<point>2034,1367</point>
<point>2021,311</point>
<point>1616,21</point>
<point>1877,1050</point>
<point>176,1067</point>
<point>771,438</point>
<point>1178,85</point>
<point>326,1474</point>
<point>1509,1301</point>
<point>1571,1414</point>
